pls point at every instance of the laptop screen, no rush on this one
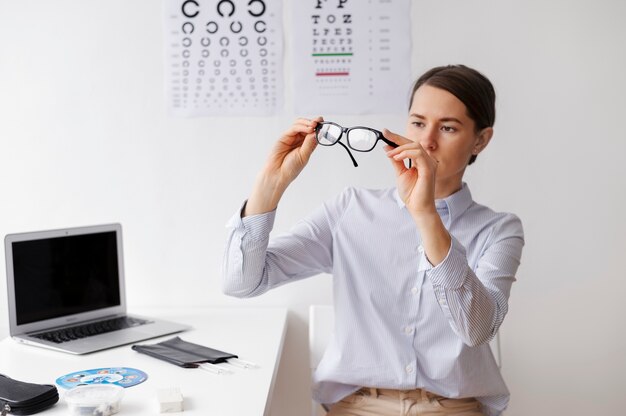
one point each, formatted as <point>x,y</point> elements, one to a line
<point>61,276</point>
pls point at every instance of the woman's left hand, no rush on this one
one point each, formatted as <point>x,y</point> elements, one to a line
<point>416,185</point>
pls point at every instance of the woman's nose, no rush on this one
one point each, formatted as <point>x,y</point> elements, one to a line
<point>429,139</point>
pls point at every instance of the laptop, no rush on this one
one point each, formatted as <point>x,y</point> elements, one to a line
<point>66,291</point>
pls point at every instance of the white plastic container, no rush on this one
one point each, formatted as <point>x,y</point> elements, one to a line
<point>94,399</point>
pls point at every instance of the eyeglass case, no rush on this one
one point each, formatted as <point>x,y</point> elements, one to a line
<point>22,398</point>
<point>183,353</point>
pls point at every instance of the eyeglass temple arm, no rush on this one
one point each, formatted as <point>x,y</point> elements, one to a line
<point>389,142</point>
<point>349,152</point>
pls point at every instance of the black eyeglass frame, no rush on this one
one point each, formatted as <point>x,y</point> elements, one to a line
<point>346,130</point>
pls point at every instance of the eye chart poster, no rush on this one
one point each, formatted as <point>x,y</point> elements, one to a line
<point>351,56</point>
<point>223,57</point>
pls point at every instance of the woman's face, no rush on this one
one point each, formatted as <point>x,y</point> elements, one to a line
<point>439,122</point>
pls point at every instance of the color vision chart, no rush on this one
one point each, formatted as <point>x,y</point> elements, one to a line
<point>351,56</point>
<point>223,57</point>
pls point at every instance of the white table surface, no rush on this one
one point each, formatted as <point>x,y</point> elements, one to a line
<point>254,334</point>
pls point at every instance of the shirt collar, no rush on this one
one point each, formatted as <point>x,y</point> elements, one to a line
<point>459,202</point>
<point>456,204</point>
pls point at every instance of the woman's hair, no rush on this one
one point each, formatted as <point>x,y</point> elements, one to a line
<point>468,85</point>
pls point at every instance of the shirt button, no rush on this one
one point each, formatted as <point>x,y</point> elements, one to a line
<point>409,369</point>
<point>414,290</point>
<point>420,249</point>
<point>408,330</point>
<point>442,301</point>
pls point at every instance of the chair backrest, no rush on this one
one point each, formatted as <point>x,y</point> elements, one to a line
<point>321,326</point>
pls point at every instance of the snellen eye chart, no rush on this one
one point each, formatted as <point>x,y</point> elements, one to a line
<point>223,57</point>
<point>351,56</point>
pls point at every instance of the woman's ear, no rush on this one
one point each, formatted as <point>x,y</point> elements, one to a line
<point>482,140</point>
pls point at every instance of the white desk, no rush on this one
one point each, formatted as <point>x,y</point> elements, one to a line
<point>255,335</point>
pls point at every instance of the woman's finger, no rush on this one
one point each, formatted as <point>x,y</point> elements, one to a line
<point>303,125</point>
<point>307,148</point>
<point>396,138</point>
<point>398,165</point>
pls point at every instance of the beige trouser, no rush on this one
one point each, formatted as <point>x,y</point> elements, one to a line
<point>387,402</point>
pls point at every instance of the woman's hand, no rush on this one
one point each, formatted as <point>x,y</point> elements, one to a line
<point>292,151</point>
<point>288,157</point>
<point>416,185</point>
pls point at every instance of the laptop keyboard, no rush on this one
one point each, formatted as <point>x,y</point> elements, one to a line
<point>86,330</point>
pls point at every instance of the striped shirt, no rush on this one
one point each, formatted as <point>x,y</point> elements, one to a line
<point>400,323</point>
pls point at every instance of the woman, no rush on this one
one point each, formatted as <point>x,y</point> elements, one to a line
<point>421,272</point>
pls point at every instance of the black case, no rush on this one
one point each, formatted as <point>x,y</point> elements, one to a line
<point>183,353</point>
<point>21,398</point>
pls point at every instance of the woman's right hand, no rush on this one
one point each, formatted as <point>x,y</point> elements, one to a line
<point>292,151</point>
<point>288,157</point>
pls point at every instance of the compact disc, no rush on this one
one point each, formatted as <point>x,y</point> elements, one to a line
<point>119,376</point>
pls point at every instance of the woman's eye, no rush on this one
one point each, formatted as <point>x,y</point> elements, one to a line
<point>417,123</point>
<point>448,129</point>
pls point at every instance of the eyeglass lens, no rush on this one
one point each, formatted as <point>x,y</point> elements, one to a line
<point>328,134</point>
<point>362,140</point>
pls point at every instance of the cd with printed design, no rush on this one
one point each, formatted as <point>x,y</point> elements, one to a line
<point>120,376</point>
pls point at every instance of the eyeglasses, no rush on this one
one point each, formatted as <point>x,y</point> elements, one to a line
<point>360,139</point>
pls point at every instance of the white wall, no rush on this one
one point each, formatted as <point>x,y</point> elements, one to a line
<point>84,139</point>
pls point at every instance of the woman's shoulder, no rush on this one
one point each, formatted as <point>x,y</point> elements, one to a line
<point>506,222</point>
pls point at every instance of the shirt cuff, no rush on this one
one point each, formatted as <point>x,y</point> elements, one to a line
<point>451,272</point>
<point>256,226</point>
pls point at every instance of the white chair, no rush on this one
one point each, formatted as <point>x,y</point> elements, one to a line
<point>321,327</point>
